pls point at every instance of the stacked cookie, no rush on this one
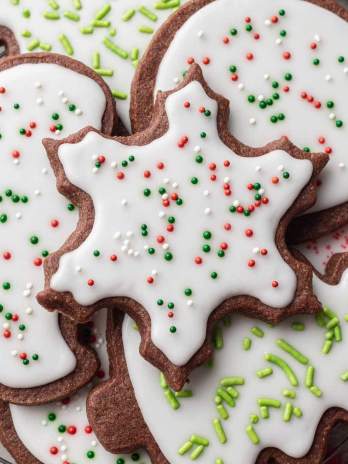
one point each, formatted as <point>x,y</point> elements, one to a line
<point>153,302</point>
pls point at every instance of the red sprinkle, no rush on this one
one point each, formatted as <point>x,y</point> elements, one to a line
<point>90,282</point>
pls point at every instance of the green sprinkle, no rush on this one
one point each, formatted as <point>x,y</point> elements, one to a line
<point>53,4</point>
<point>119,95</point>
<point>218,339</point>
<point>226,397</point>
<point>171,398</point>
<point>232,381</point>
<point>45,46</point>
<point>53,15</point>
<point>338,333</point>
<point>86,30</point>
<point>198,440</point>
<point>185,448</point>
<point>33,44</point>
<point>253,436</point>
<point>134,54</point>
<point>115,49</point>
<point>147,13</point>
<point>297,412</point>
<point>163,381</point>
<point>103,12</point>
<point>145,29</point>
<point>284,366</point>
<point>96,60</point>
<point>219,461</point>
<point>197,452</point>
<point>316,391</point>
<point>298,326</point>
<point>222,411</point>
<point>269,403</point>
<point>26,34</point>
<point>63,39</point>
<point>220,432</point>
<point>332,323</point>
<point>247,343</point>
<point>288,411</point>
<point>328,312</point>
<point>128,15</point>
<point>71,15</point>
<point>262,373</point>
<point>292,351</point>
<point>104,72</point>
<point>320,319</point>
<point>257,332</point>
<point>254,419</point>
<point>232,392</point>
<point>26,13</point>
<point>167,5</point>
<point>100,23</point>
<point>344,376</point>
<point>327,346</point>
<point>184,394</point>
<point>289,393</point>
<point>309,377</point>
<point>264,412</point>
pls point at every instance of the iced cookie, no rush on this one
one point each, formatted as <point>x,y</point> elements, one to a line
<point>181,225</point>
<point>40,355</point>
<point>61,431</point>
<point>270,392</point>
<point>110,36</point>
<point>284,67</point>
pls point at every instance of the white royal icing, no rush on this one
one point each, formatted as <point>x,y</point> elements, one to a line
<point>29,95</point>
<point>172,428</point>
<point>311,33</point>
<point>124,24</point>
<point>43,439</point>
<point>133,234</point>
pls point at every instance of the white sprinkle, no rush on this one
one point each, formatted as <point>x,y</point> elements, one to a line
<point>39,101</point>
<point>165,246</point>
<point>189,303</point>
<point>226,180</point>
<point>154,272</point>
<point>345,70</point>
<point>260,97</point>
<point>267,22</point>
<point>57,132</point>
<point>136,253</point>
<point>341,165</point>
<point>78,112</point>
<point>60,439</point>
<point>280,167</point>
<point>44,423</point>
<point>317,38</point>
<point>166,180</point>
<point>126,242</point>
<point>38,85</point>
<point>175,185</point>
<point>94,157</point>
<point>124,202</point>
<point>161,214</point>
<point>14,353</point>
<point>29,311</point>
<point>165,196</point>
<point>65,100</point>
<point>29,285</point>
<point>18,215</point>
<point>6,325</point>
<point>200,34</point>
<point>117,235</point>
<point>37,192</point>
<point>256,250</point>
<point>266,77</point>
<point>113,164</point>
<point>146,247</point>
<point>95,170</point>
<point>63,448</point>
<point>328,77</point>
<point>20,336</point>
<point>130,252</point>
<point>61,93</point>
<point>93,443</point>
<point>176,80</point>
<point>206,193</point>
<point>26,293</point>
<point>207,211</point>
<point>16,161</point>
<point>124,248</point>
<point>129,233</point>
<point>236,203</point>
<point>332,116</point>
<point>44,171</point>
<point>279,41</point>
<point>241,86</point>
<point>78,268</point>
<point>252,121</point>
<point>197,149</point>
<point>261,191</point>
<point>78,408</point>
